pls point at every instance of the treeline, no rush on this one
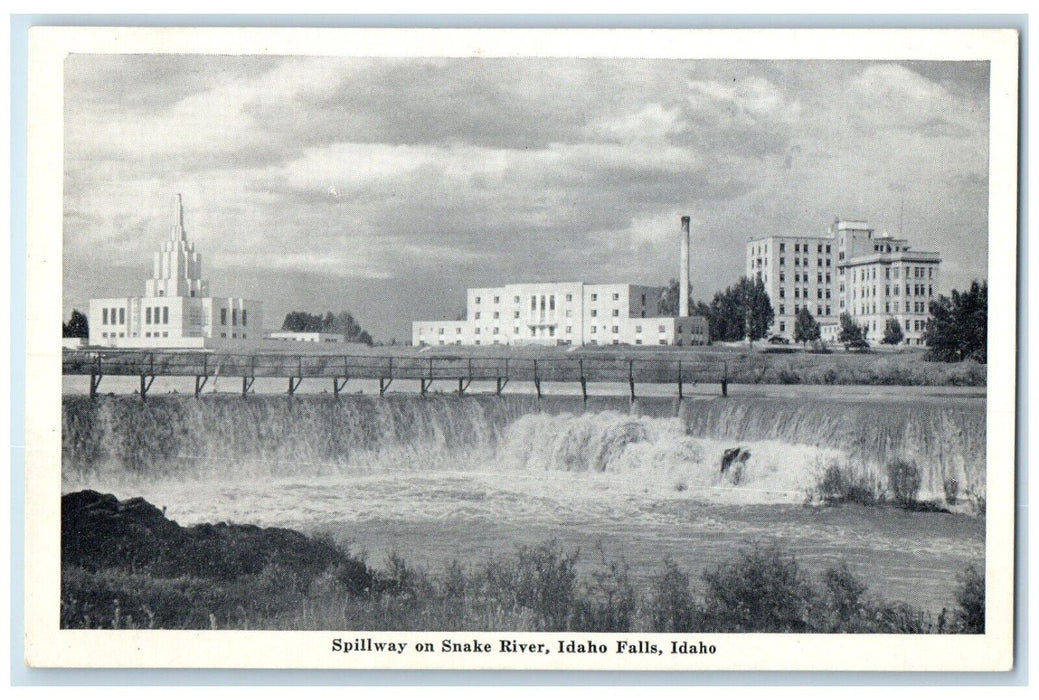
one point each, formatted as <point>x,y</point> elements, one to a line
<point>343,323</point>
<point>76,327</point>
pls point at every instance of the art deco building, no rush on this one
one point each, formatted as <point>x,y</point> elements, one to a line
<point>176,310</point>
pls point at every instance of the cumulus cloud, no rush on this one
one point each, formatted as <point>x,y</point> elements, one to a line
<point>450,173</point>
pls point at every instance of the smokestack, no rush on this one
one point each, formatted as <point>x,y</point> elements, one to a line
<point>683,274</point>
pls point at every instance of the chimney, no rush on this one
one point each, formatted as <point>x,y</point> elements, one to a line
<point>683,274</point>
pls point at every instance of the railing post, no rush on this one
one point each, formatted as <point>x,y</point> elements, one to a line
<point>725,378</point>
<point>584,383</point>
<point>631,378</point>
<point>679,380</point>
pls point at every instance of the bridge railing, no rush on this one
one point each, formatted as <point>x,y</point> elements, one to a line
<point>202,365</point>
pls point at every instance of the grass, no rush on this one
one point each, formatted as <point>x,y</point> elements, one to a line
<point>760,589</point>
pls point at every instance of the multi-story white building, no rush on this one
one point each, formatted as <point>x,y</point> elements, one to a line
<point>176,310</point>
<point>563,313</point>
<point>872,278</point>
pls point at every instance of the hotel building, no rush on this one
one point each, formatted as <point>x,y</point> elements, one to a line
<point>176,310</point>
<point>849,270</point>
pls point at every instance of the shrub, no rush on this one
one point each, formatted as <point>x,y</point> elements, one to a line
<point>970,598</point>
<point>762,590</point>
<point>609,604</point>
<point>541,579</point>
<point>952,490</point>
<point>840,485</point>
<point>671,604</point>
<point>842,598</point>
<point>904,481</point>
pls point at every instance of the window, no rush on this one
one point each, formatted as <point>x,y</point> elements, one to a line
<point>234,317</point>
<point>782,327</point>
<point>223,319</point>
<point>593,329</point>
<point>638,341</point>
<point>663,329</point>
<point>458,331</point>
<point>782,310</point>
<point>165,334</point>
<point>533,303</point>
<point>552,331</point>
<point>552,303</point>
<point>495,330</point>
<point>496,300</point>
<point>477,315</point>
<point>104,316</point>
<point>165,314</point>
<point>595,297</point>
<point>663,341</point>
<point>616,329</point>
<point>515,330</point>
<point>515,300</point>
<point>782,292</point>
<point>477,300</point>
<point>638,329</point>
<point>243,320</point>
<point>569,330</point>
<point>616,313</point>
<point>782,261</point>
<point>496,314</point>
<point>476,331</point>
<point>643,299</point>
<point>569,313</point>
<point>595,312</point>
<point>782,248</point>
<point>148,316</point>
<point>797,247</point>
<point>515,314</point>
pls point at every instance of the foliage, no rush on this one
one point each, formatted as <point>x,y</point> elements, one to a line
<point>893,334</point>
<point>762,590</point>
<point>958,327</point>
<point>952,490</point>
<point>970,599</point>
<point>76,327</point>
<point>904,481</point>
<point>742,311</point>
<point>343,322</point>
<point>806,328</point>
<point>672,608</point>
<point>851,334</point>
<point>840,485</point>
<point>540,579</point>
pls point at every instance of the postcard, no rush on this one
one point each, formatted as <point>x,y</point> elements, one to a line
<point>521,349</point>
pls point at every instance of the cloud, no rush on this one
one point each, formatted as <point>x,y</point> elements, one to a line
<point>451,173</point>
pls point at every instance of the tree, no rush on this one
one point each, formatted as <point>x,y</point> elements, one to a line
<point>893,334</point>
<point>806,328</point>
<point>958,327</point>
<point>742,311</point>
<point>756,307</point>
<point>342,323</point>
<point>851,334</point>
<point>77,326</point>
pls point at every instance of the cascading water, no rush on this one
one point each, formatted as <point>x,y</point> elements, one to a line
<point>440,477</point>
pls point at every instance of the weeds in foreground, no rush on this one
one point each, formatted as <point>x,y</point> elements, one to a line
<point>760,589</point>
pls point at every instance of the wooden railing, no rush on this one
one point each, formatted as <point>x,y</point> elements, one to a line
<point>341,368</point>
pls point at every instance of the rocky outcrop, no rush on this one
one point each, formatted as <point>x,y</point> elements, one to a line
<point>98,531</point>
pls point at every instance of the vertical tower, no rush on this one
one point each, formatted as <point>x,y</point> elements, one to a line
<point>177,267</point>
<point>683,273</point>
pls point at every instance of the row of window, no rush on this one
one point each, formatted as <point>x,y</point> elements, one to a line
<point>916,290</point>
<point>234,318</point>
<point>803,293</point>
<point>819,309</point>
<point>918,307</point>
<point>551,299</point>
<point>914,272</point>
<point>108,317</point>
<point>798,248</point>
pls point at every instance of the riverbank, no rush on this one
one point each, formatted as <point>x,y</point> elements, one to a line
<point>126,566</point>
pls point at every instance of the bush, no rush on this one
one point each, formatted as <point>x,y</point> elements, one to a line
<point>609,604</point>
<point>970,598</point>
<point>671,604</point>
<point>952,490</point>
<point>541,579</point>
<point>840,485</point>
<point>762,590</point>
<point>904,481</point>
<point>842,598</point>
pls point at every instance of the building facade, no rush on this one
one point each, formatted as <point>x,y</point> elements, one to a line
<point>850,270</point>
<point>177,310</point>
<point>567,313</point>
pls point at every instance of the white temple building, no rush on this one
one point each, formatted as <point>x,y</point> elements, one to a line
<point>176,310</point>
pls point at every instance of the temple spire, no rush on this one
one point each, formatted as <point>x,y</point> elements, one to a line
<point>177,232</point>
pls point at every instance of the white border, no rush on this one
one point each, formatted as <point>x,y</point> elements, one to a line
<point>47,645</point>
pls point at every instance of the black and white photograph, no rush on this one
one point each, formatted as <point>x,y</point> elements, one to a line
<point>471,350</point>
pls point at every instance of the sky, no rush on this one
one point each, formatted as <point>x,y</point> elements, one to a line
<point>386,187</point>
